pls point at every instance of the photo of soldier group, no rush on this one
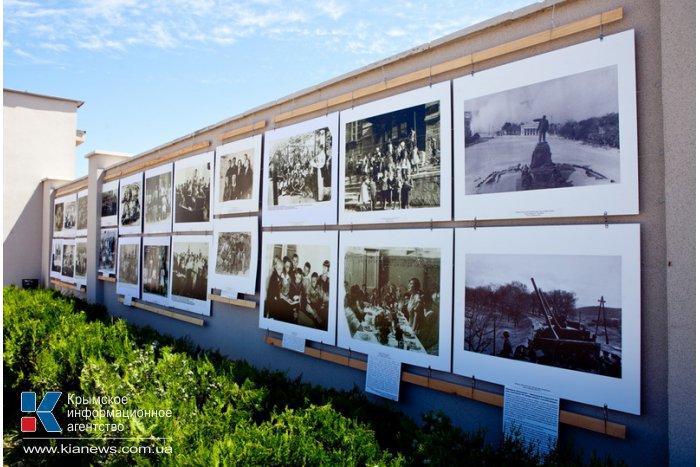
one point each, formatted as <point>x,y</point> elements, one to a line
<point>392,161</point>
<point>156,259</point>
<point>158,201</point>
<point>300,169</point>
<point>192,193</point>
<point>236,175</point>
<point>80,259</point>
<point>108,247</point>
<point>129,263</point>
<point>233,253</point>
<point>56,257</point>
<point>109,203</point>
<point>190,269</point>
<point>58,217</point>
<point>82,213</point>
<point>68,258</point>
<point>392,297</point>
<point>131,205</point>
<point>69,216</point>
<point>298,285</point>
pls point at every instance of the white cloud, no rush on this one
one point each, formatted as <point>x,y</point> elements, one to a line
<point>332,9</point>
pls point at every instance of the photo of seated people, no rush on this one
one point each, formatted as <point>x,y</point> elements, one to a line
<point>300,169</point>
<point>192,193</point>
<point>236,176</point>
<point>190,270</point>
<point>298,285</point>
<point>392,297</point>
<point>392,161</point>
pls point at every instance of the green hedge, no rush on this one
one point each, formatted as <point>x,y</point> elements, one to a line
<point>223,412</point>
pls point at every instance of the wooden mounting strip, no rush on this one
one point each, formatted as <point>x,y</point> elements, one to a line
<point>67,190</point>
<point>160,311</point>
<point>107,279</point>
<point>232,301</point>
<point>597,425</point>
<point>157,161</point>
<point>66,285</point>
<point>532,40</point>
<point>243,130</point>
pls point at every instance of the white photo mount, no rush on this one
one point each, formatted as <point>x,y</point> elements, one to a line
<point>425,255</point>
<point>158,214</point>
<point>189,289</point>
<point>198,217</point>
<point>592,261</point>
<point>131,209</point>
<point>252,149</point>
<point>107,259</point>
<point>310,212</point>
<point>155,270</point>
<point>312,247</point>
<point>81,225</point>
<point>109,204</point>
<point>56,258</point>
<point>500,176</point>
<point>395,104</point>
<point>222,275</point>
<point>129,246</point>
<point>69,216</point>
<point>80,275</point>
<point>68,261</point>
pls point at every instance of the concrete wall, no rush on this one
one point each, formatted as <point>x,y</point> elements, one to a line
<point>38,143</point>
<point>664,433</point>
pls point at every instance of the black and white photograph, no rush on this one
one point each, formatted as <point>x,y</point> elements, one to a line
<point>70,216</point>
<point>391,294</point>
<point>158,197</point>
<point>56,258</point>
<point>81,228</point>
<point>299,182</point>
<point>109,202</point>
<point>235,268</point>
<point>58,218</point>
<point>129,266</point>
<point>394,157</point>
<point>558,304</point>
<point>298,284</point>
<point>68,261</point>
<point>81,261</point>
<point>130,204</point>
<point>190,268</point>
<point>193,200</point>
<point>155,275</point>
<point>237,176</point>
<point>108,250</point>
<point>562,132</point>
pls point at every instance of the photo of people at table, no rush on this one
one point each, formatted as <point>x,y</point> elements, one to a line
<point>392,297</point>
<point>298,285</point>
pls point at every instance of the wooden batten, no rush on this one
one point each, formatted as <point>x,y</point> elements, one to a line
<point>163,312</point>
<point>157,161</point>
<point>244,130</point>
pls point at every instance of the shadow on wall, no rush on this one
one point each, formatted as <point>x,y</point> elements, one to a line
<point>22,246</point>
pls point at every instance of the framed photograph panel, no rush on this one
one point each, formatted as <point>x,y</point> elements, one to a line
<point>82,223</point>
<point>56,258</point>
<point>109,202</point>
<point>65,216</point>
<point>234,269</point>
<point>389,297</point>
<point>107,262</point>
<point>68,261</point>
<point>129,267</point>
<point>155,276</point>
<point>298,284</point>
<point>551,306</point>
<point>189,287</point>
<point>549,136</point>
<point>237,176</point>
<point>396,158</point>
<point>130,204</point>
<point>301,172</point>
<point>194,177</point>
<point>158,200</point>
<point>80,275</point>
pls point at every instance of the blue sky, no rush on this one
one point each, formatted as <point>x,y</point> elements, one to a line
<point>151,71</point>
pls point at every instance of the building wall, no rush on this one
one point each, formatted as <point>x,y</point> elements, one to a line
<point>38,143</point>
<point>664,432</point>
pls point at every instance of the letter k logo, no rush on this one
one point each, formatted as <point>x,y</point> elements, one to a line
<point>44,411</point>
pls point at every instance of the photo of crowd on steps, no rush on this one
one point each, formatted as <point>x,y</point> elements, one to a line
<point>392,161</point>
<point>298,285</point>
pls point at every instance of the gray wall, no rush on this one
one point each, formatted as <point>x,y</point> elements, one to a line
<point>665,88</point>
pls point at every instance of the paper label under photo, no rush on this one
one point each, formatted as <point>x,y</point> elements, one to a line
<point>531,414</point>
<point>291,341</point>
<point>383,376</point>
